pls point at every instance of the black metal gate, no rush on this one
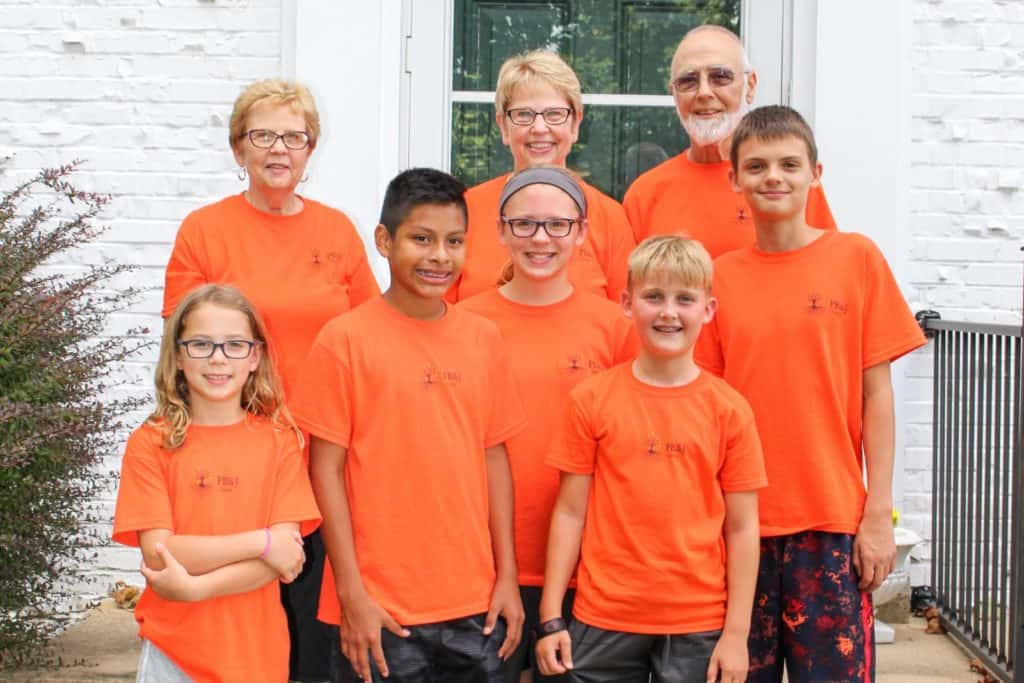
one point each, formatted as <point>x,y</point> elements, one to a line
<point>978,489</point>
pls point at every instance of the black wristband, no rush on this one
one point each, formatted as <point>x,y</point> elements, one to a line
<point>546,628</point>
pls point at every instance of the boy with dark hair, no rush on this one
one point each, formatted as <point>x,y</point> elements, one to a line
<point>662,463</point>
<point>408,403</point>
<point>808,323</point>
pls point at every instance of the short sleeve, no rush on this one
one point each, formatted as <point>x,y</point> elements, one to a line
<point>184,269</point>
<point>889,328</point>
<point>507,417</point>
<point>293,494</point>
<point>362,285</point>
<point>615,262</point>
<point>743,460</point>
<point>707,353</point>
<point>631,204</point>
<point>574,447</point>
<point>627,343</point>
<point>321,403</point>
<point>818,213</point>
<point>143,500</point>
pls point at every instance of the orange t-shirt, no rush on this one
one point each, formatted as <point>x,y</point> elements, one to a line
<point>415,403</point>
<point>697,200</point>
<point>794,333</point>
<point>299,271</point>
<point>598,266</point>
<point>551,348</point>
<point>222,480</point>
<point>662,459</point>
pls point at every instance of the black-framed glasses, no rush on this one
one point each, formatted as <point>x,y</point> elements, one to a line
<point>235,349</point>
<point>527,227</point>
<point>718,77</point>
<point>524,116</point>
<point>265,139</point>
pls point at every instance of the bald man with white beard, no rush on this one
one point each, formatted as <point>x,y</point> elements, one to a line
<point>713,85</point>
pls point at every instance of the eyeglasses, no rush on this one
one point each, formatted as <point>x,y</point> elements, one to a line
<point>524,116</point>
<point>554,227</point>
<point>265,139</point>
<point>718,77</point>
<point>235,349</point>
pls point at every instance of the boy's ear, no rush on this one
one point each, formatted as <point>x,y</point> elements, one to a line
<point>818,168</point>
<point>710,309</point>
<point>732,180</point>
<point>627,302</point>
<point>382,240</point>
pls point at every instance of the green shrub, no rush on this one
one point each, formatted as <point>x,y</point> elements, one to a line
<point>57,418</point>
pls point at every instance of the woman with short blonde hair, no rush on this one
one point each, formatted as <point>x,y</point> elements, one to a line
<point>539,109</point>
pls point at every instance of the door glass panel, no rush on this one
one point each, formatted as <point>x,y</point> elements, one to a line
<point>617,47</point>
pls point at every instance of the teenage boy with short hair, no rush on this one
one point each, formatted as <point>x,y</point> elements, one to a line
<point>408,402</point>
<point>808,323</point>
<point>662,463</point>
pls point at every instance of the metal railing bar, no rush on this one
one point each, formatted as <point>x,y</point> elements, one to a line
<point>985,614</point>
<point>1006,455</point>
<point>981,328</point>
<point>1015,650</point>
<point>971,461</point>
<point>938,462</point>
<point>996,639</point>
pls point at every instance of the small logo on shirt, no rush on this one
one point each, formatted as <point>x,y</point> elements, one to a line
<point>741,215</point>
<point>656,447</point>
<point>328,257</point>
<point>205,481</point>
<point>434,376</point>
<point>817,303</point>
<point>576,364</point>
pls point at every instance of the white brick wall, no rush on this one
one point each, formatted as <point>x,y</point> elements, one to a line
<point>966,203</point>
<point>142,91</point>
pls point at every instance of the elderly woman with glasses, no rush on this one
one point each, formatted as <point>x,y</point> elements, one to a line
<point>538,109</point>
<point>300,262</point>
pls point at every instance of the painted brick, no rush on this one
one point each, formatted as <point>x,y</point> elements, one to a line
<point>142,90</point>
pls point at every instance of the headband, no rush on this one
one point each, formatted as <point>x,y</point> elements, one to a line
<point>544,176</point>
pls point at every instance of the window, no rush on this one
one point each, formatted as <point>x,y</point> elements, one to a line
<point>621,51</point>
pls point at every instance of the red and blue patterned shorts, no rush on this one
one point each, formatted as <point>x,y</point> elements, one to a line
<point>809,613</point>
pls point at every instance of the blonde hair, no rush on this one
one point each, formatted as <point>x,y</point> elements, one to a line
<point>537,67</point>
<point>670,256</point>
<point>261,394</point>
<point>276,91</point>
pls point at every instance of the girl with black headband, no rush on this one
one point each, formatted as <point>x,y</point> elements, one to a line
<point>556,335</point>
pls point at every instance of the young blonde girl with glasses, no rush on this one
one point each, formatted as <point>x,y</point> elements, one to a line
<point>215,493</point>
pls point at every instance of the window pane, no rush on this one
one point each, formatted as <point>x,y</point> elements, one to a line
<point>615,46</point>
<point>615,145</point>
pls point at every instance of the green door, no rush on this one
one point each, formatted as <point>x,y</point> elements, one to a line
<point>621,51</point>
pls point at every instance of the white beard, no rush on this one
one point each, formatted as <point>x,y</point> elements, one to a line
<point>704,132</point>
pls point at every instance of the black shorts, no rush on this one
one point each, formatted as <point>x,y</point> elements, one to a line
<point>453,651</point>
<point>309,660</point>
<point>524,657</point>
<point>601,656</point>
